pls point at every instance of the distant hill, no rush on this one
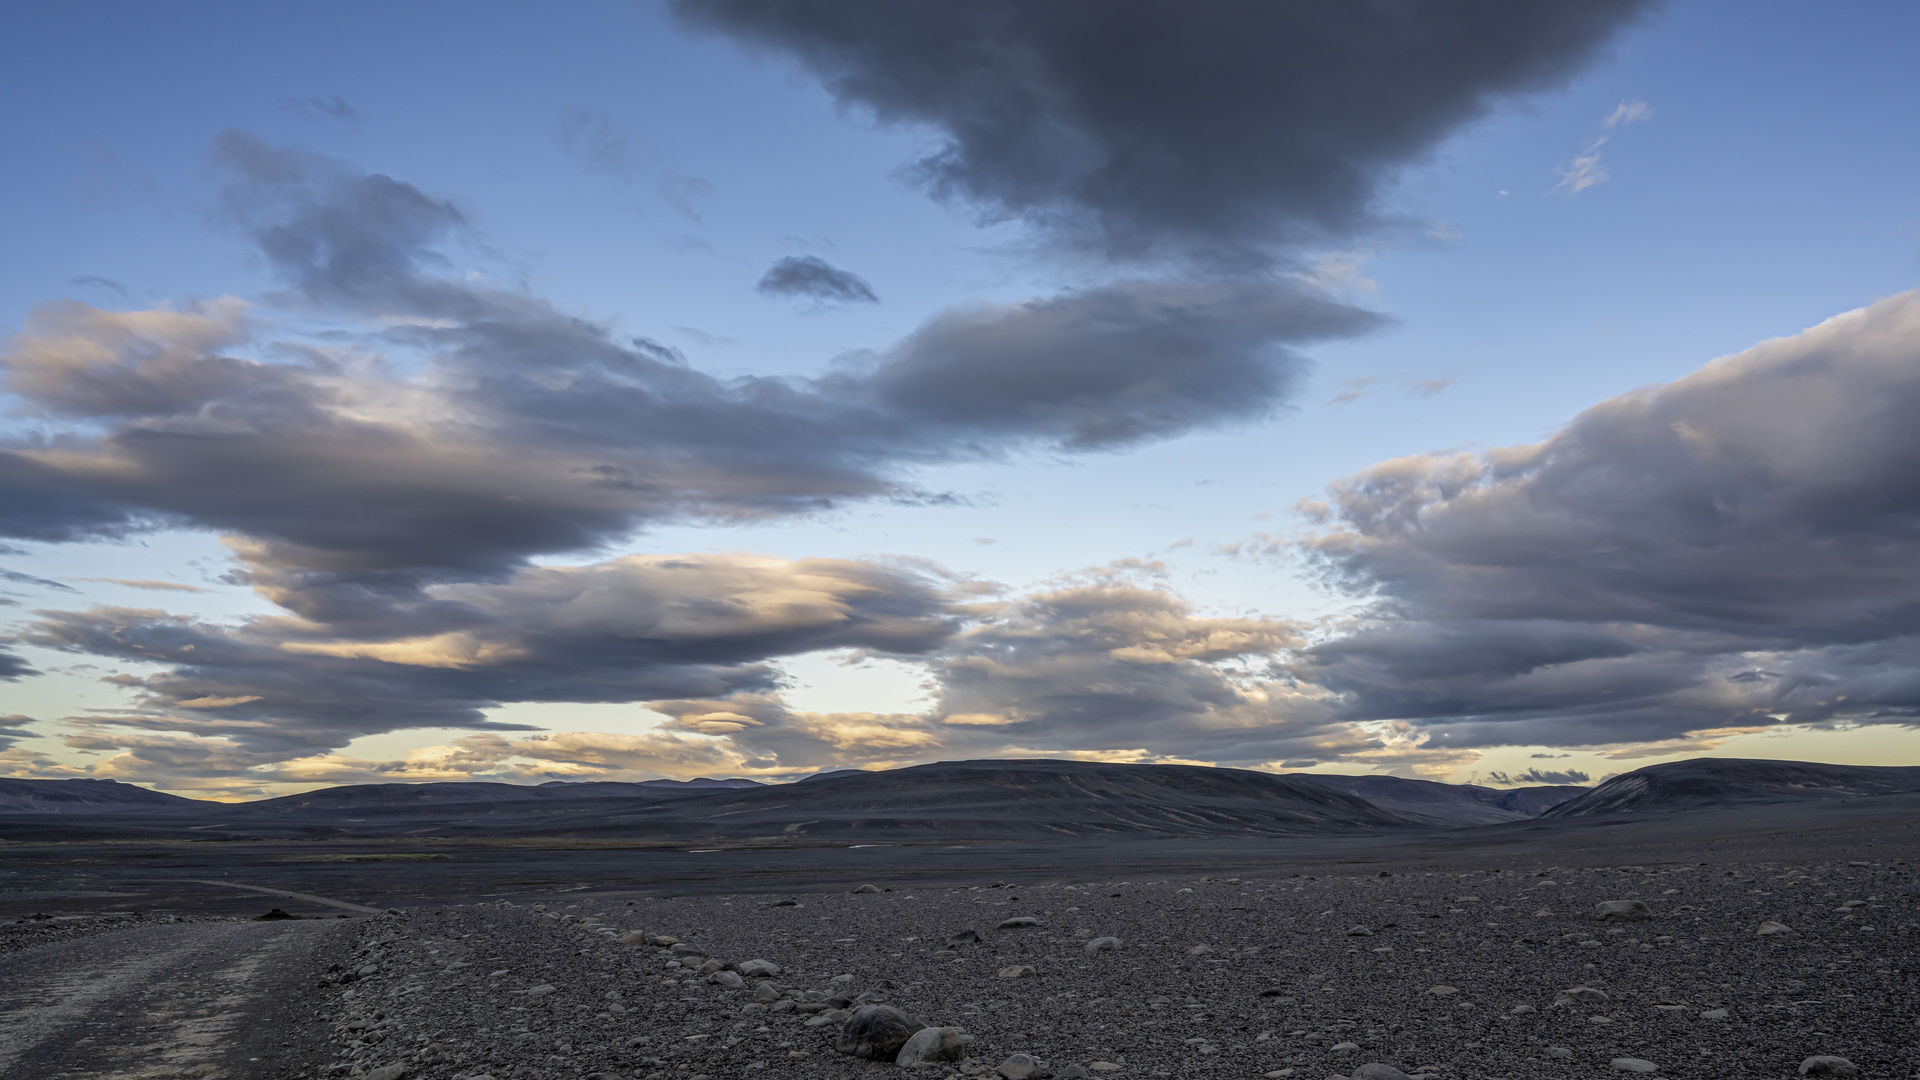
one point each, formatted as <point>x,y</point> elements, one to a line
<point>1702,782</point>
<point>1036,798</point>
<point>86,797</point>
<point>1447,804</point>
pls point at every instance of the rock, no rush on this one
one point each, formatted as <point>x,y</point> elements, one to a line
<point>758,969</point>
<point>1020,1067</point>
<point>681,948</point>
<point>1828,1065</point>
<point>387,1072</point>
<point>541,991</point>
<point>1772,929</point>
<point>1374,1070</point>
<point>964,937</point>
<point>710,967</point>
<point>663,940</point>
<point>634,937</point>
<point>1360,931</point>
<point>829,1016</point>
<point>1558,1052</point>
<point>1017,971</point>
<point>1018,922</point>
<point>1580,994</point>
<point>1443,991</point>
<point>1073,1072</point>
<point>1200,950</point>
<point>274,915</point>
<point>1343,1048</point>
<point>867,889</point>
<point>1622,910</point>
<point>1102,944</point>
<point>1103,1066</point>
<point>766,993</point>
<point>730,980</point>
<point>1714,1014</point>
<point>931,1045</point>
<point>1633,1065</point>
<point>876,1033</point>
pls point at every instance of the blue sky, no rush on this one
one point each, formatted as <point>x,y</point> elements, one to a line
<point>641,177</point>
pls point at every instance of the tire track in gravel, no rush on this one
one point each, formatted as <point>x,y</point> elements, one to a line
<point>153,1003</point>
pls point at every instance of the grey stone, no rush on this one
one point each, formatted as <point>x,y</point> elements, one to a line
<point>867,889</point>
<point>1828,1065</point>
<point>1359,931</point>
<point>766,993</point>
<point>728,979</point>
<point>1622,910</point>
<point>634,937</point>
<point>387,1072</point>
<point>876,1032</point>
<point>1772,929</point>
<point>1374,1070</point>
<point>1581,995</point>
<point>1558,1052</point>
<point>932,1045</point>
<point>1018,922</point>
<point>1073,1072</point>
<point>1632,1065</point>
<point>1021,1067</point>
<point>964,937</point>
<point>1017,971</point>
<point>1102,944</point>
<point>758,969</point>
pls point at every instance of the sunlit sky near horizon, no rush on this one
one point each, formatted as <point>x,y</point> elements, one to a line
<point>407,392</point>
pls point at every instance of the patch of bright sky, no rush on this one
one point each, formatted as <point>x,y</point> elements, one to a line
<point>1769,188</point>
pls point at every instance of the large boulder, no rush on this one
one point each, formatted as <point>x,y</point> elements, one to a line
<point>876,1032</point>
<point>1622,910</point>
<point>933,1045</point>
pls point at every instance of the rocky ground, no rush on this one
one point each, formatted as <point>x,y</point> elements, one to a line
<point>1484,974</point>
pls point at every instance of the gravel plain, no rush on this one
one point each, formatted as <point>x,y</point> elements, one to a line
<point>1479,974</point>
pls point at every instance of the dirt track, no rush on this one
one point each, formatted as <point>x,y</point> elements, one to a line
<point>208,1000</point>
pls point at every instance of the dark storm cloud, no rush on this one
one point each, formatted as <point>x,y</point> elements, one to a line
<point>814,277</point>
<point>13,668</point>
<point>1219,126</point>
<point>1732,550</point>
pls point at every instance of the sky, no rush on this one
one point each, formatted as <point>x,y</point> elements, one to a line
<point>1499,392</point>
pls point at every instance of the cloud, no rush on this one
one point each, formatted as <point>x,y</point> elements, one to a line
<point>1538,776</point>
<point>1585,170</point>
<point>1724,553</point>
<point>19,578</point>
<point>1135,127</point>
<point>1352,390</point>
<point>349,661</point>
<point>109,284</point>
<point>447,426</point>
<point>809,276</point>
<point>146,583</point>
<point>320,107</point>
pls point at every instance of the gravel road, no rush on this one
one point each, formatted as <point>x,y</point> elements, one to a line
<point>1468,975</point>
<point>200,999</point>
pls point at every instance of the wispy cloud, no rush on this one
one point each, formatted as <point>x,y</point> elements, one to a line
<point>146,583</point>
<point>1586,170</point>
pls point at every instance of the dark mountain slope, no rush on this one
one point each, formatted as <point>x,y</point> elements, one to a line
<point>1447,804</point>
<point>1700,782</point>
<point>86,797</point>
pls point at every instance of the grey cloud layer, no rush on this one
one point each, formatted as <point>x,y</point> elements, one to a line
<point>1734,549</point>
<point>1144,125</point>
<point>476,426</point>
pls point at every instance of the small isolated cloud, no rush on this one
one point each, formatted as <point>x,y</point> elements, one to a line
<point>107,283</point>
<point>1585,170</point>
<point>19,578</point>
<point>1538,776</point>
<point>809,276</point>
<point>1352,390</point>
<point>146,583</point>
<point>327,107</point>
